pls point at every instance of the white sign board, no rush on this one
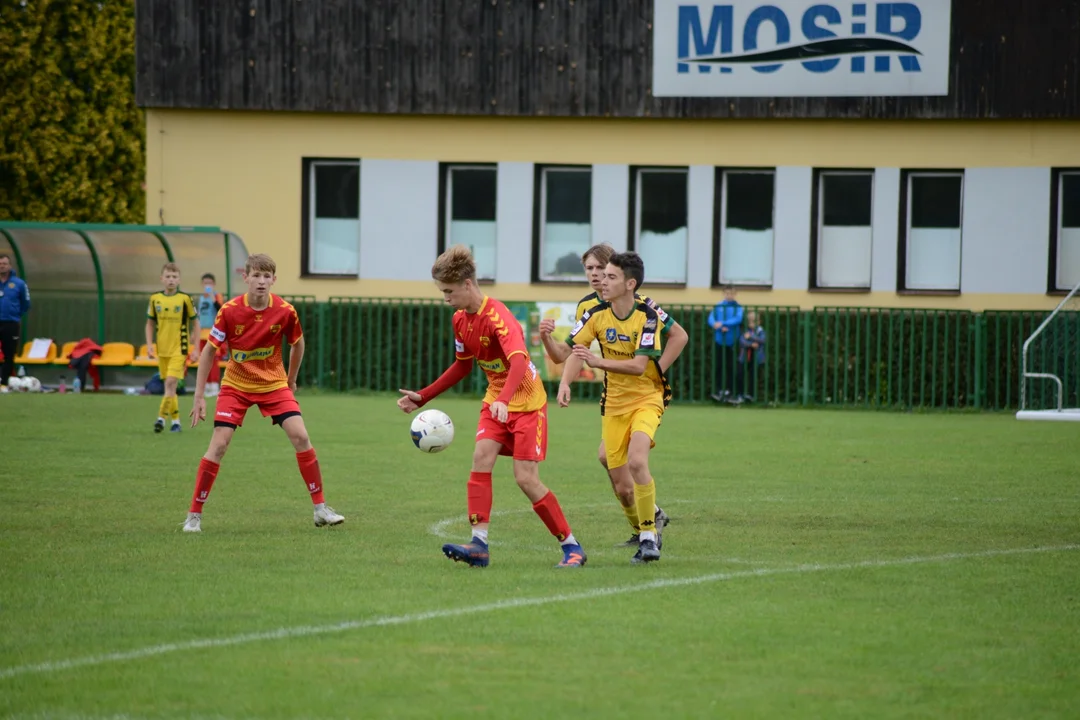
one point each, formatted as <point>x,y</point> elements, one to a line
<point>800,48</point>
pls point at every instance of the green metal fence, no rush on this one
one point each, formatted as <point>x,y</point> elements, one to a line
<point>843,357</point>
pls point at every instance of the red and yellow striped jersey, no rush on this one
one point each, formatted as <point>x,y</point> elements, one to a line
<point>254,339</point>
<point>491,336</point>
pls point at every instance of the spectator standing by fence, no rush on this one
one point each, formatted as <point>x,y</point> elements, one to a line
<point>751,354</point>
<point>14,304</point>
<point>726,321</point>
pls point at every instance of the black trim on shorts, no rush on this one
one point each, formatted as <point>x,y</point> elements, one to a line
<point>220,423</point>
<point>278,419</point>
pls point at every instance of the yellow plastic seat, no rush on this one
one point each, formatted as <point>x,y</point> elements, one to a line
<point>23,359</point>
<point>141,360</point>
<point>116,354</point>
<point>65,354</point>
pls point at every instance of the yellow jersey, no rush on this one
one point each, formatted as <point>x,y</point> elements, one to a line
<point>593,299</point>
<point>172,314</point>
<point>623,339</point>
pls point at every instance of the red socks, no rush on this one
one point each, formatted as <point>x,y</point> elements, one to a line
<point>479,498</point>
<point>549,511</point>
<point>204,480</point>
<point>309,470</point>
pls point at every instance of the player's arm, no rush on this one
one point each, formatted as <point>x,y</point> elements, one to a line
<point>206,360</point>
<point>634,366</point>
<point>557,351</point>
<point>296,356</point>
<point>150,327</point>
<point>578,343</point>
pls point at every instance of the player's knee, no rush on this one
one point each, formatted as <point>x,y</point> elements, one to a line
<point>639,465</point>
<point>300,440</point>
<point>218,446</point>
<point>484,459</point>
<point>602,457</point>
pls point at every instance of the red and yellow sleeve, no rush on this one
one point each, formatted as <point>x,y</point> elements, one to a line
<point>220,331</point>
<point>293,331</point>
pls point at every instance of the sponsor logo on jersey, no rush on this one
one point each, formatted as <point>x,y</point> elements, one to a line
<point>217,334</point>
<point>495,365</point>
<point>242,356</point>
<point>647,339</point>
<point>459,346</point>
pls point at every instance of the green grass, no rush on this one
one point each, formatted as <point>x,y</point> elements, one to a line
<point>775,509</point>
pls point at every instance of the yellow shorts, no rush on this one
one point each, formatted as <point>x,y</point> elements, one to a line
<point>617,429</point>
<point>174,366</point>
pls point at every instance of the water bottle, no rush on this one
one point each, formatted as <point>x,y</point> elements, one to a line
<point>22,371</point>
<point>63,385</point>
<point>77,385</point>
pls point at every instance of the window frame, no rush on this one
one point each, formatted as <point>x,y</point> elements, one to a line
<point>903,235</point>
<point>633,225</point>
<point>817,219</point>
<point>307,215</point>
<point>1056,211</point>
<point>445,207</point>
<point>540,220</point>
<point>720,222</point>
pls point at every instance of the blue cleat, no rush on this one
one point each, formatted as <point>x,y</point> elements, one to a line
<point>573,556</point>
<point>176,427</point>
<point>475,553</point>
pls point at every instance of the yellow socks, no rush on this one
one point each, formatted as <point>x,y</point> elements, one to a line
<point>645,500</point>
<point>631,516</point>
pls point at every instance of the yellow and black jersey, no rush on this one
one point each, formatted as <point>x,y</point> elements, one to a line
<point>172,314</point>
<point>623,339</point>
<point>593,299</point>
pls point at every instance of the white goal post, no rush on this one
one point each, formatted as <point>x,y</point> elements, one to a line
<point>1062,314</point>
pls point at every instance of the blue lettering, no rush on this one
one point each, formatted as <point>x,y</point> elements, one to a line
<point>912,25</point>
<point>813,31</point>
<point>720,24</point>
<point>766,13</point>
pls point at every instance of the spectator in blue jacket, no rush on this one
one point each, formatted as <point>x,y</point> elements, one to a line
<point>14,303</point>
<point>726,321</point>
<point>751,354</point>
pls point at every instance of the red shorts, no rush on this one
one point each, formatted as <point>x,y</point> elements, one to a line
<point>523,436</point>
<point>233,404</point>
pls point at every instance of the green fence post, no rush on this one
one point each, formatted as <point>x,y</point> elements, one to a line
<point>100,283</point>
<point>807,359</point>
<point>980,360</point>
<point>165,245</point>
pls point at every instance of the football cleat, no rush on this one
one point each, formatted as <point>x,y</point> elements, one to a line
<point>175,426</point>
<point>326,516</point>
<point>647,552</point>
<point>159,425</point>
<point>632,542</point>
<point>193,522</point>
<point>573,556</point>
<point>475,553</point>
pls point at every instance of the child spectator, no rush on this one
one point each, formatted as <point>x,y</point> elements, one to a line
<point>751,354</point>
<point>80,359</point>
<point>210,301</point>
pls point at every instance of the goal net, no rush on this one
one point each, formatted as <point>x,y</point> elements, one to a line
<point>1050,366</point>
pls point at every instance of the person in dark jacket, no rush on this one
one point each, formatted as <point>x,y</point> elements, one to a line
<point>14,304</point>
<point>726,321</point>
<point>751,355</point>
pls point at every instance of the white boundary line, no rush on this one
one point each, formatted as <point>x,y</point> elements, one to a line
<point>513,603</point>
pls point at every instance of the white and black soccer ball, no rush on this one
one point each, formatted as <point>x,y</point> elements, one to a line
<point>17,384</point>
<point>432,431</point>
<point>31,384</point>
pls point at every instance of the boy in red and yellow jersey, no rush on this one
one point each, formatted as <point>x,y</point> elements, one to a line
<point>513,418</point>
<point>253,326</point>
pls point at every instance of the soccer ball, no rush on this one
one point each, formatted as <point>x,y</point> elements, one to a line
<point>432,431</point>
<point>31,384</point>
<point>16,384</point>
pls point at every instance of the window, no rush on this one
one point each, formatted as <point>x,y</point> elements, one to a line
<point>468,216</point>
<point>931,212</point>
<point>660,236</point>
<point>1065,231</point>
<point>563,222</point>
<point>842,231</point>
<point>331,218</point>
<point>745,227</point>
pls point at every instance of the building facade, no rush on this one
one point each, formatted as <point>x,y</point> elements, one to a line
<point>931,160</point>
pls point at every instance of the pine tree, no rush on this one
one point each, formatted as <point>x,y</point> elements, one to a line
<point>71,137</point>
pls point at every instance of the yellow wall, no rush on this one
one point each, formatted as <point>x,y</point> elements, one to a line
<point>242,171</point>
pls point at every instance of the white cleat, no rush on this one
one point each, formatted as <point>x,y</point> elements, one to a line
<point>193,522</point>
<point>325,515</point>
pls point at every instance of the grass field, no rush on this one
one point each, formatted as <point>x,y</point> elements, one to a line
<point>818,564</point>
